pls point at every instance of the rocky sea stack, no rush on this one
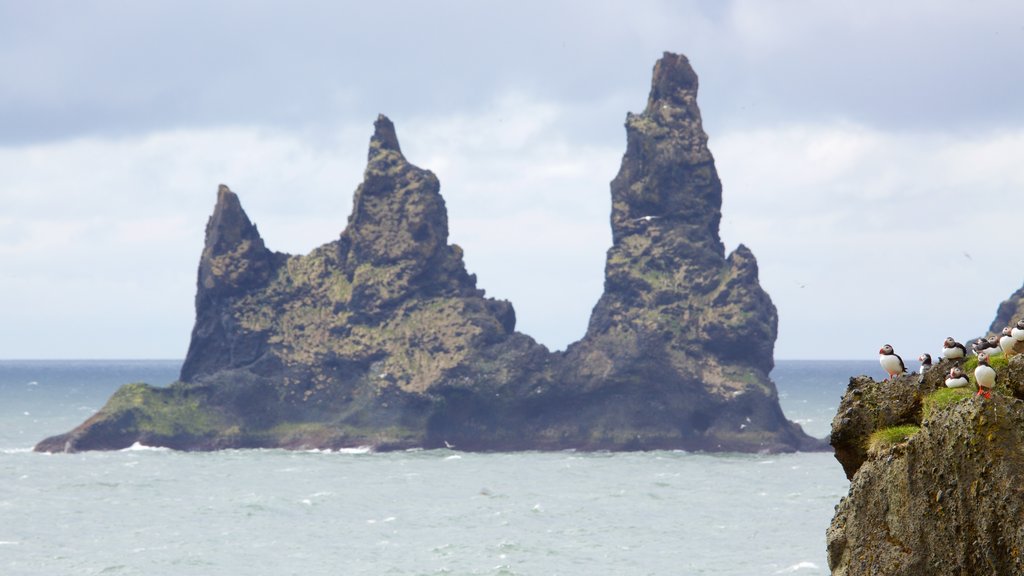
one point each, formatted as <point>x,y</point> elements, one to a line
<point>382,338</point>
<point>936,475</point>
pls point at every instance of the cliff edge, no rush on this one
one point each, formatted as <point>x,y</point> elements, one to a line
<point>381,338</point>
<point>936,475</point>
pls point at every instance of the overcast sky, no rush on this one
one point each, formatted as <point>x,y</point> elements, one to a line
<point>871,153</point>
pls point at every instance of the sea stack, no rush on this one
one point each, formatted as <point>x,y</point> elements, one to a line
<point>381,338</point>
<point>682,334</point>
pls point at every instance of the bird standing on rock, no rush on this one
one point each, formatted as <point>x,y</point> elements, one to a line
<point>926,363</point>
<point>890,362</point>
<point>957,378</point>
<point>1018,331</point>
<point>1007,342</point>
<point>985,375</point>
<point>953,350</point>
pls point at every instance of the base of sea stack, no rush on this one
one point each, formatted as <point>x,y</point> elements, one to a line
<point>188,417</point>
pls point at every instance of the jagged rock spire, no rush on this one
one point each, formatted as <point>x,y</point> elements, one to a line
<point>668,173</point>
<point>384,136</point>
<point>234,262</point>
<point>667,278</point>
<point>234,254</point>
<point>397,212</point>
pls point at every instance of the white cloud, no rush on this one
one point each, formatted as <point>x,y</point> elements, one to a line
<point>101,236</point>
<point>866,237</point>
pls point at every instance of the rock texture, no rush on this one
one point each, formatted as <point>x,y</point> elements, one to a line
<point>943,496</point>
<point>684,333</point>
<point>1009,312</point>
<point>382,338</point>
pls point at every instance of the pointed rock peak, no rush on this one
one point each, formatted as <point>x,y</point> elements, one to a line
<point>743,263</point>
<point>397,212</point>
<point>668,177</point>
<point>674,82</point>
<point>229,225</point>
<point>223,191</point>
<point>384,137</point>
<point>234,255</point>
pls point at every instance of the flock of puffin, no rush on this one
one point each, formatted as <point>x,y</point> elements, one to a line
<point>1009,343</point>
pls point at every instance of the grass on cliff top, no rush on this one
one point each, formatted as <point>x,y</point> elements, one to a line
<point>999,361</point>
<point>942,398</point>
<point>882,439</point>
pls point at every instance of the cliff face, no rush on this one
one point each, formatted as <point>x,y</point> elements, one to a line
<point>1009,312</point>
<point>382,338</point>
<point>937,474</point>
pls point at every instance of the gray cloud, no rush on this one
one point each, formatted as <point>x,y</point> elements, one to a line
<point>81,68</point>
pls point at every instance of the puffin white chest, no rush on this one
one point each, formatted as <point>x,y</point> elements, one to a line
<point>952,353</point>
<point>985,376</point>
<point>957,381</point>
<point>1006,344</point>
<point>890,363</point>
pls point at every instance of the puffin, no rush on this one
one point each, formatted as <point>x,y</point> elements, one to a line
<point>891,362</point>
<point>1018,331</point>
<point>956,378</point>
<point>1007,342</point>
<point>988,345</point>
<point>953,350</point>
<point>926,364</point>
<point>985,375</point>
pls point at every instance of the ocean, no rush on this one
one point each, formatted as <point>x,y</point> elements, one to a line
<point>153,511</point>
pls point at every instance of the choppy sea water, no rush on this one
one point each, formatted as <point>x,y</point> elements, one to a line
<point>154,511</point>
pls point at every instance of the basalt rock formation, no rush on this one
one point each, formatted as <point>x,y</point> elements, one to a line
<point>382,338</point>
<point>1009,312</point>
<point>936,475</point>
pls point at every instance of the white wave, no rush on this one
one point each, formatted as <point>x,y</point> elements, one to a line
<point>353,450</point>
<point>453,457</point>
<point>356,450</point>
<point>805,565</point>
<point>140,447</point>
<point>15,450</point>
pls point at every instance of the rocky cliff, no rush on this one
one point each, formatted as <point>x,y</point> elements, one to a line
<point>937,476</point>
<point>382,338</point>
<point>1009,312</point>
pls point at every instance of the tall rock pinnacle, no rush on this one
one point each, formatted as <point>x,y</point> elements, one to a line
<point>234,261</point>
<point>666,275</point>
<point>677,318</point>
<point>397,212</point>
<point>668,177</point>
